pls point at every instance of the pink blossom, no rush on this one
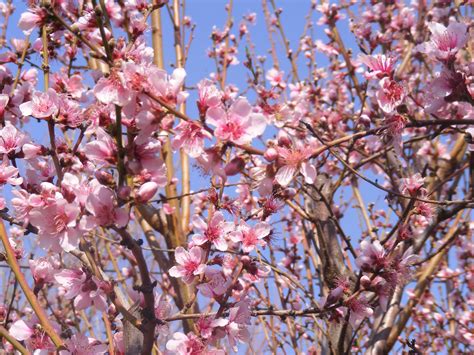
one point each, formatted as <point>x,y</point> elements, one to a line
<point>113,89</point>
<point>255,271</point>
<point>217,283</point>
<point>214,232</point>
<point>381,65</point>
<point>190,264</point>
<point>359,309</point>
<point>412,185</point>
<point>292,160</point>
<point>79,344</point>
<point>390,95</point>
<point>33,335</point>
<point>4,99</point>
<point>146,192</point>
<point>182,344</point>
<point>102,205</point>
<point>86,290</point>
<point>44,269</point>
<point>57,225</point>
<point>372,256</point>
<point>103,149</point>
<point>238,124</point>
<point>206,325</point>
<point>445,42</point>
<point>209,96</point>
<point>166,86</point>
<point>251,236</point>
<point>11,139</point>
<point>275,77</point>
<point>70,85</point>
<point>42,105</point>
<point>9,174</point>
<point>162,311</point>
<point>190,137</point>
<point>29,20</point>
<point>444,88</point>
<point>239,319</point>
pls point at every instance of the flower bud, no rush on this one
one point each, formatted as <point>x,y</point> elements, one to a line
<point>365,281</point>
<point>104,177</point>
<point>147,191</point>
<point>124,192</point>
<point>270,154</point>
<point>235,166</point>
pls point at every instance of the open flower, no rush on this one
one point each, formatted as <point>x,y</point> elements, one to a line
<point>214,232</point>
<point>33,335</point>
<point>381,65</point>
<point>390,95</point>
<point>42,105</point>
<point>238,124</point>
<point>190,264</point>
<point>293,160</point>
<point>445,42</point>
<point>11,139</point>
<point>190,136</point>
<point>57,225</point>
<point>251,236</point>
<point>79,344</point>
<point>86,290</point>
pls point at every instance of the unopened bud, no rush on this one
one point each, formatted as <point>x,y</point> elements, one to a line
<point>270,154</point>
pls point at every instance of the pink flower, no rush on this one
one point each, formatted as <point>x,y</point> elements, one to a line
<point>372,256</point>
<point>293,160</point>
<point>214,232</point>
<point>4,99</point>
<point>390,95</point>
<point>146,192</point>
<point>79,344</point>
<point>447,86</point>
<point>217,284</point>
<point>445,42</point>
<point>162,311</point>
<point>33,335</point>
<point>251,237</point>
<point>190,137</point>
<point>43,269</point>
<point>275,77</point>
<point>182,344</point>
<point>103,149</point>
<point>113,89</point>
<point>239,319</point>
<point>190,264</point>
<point>86,290</point>
<point>238,124</point>
<point>102,205</point>
<point>9,174</point>
<point>31,19</point>
<point>359,309</point>
<point>42,105</point>
<point>380,65</point>
<point>57,225</point>
<point>206,325</point>
<point>209,96</point>
<point>11,139</point>
<point>254,270</point>
<point>412,185</point>
<point>168,87</point>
